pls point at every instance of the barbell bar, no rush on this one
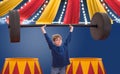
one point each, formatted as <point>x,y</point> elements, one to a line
<point>100,26</point>
<point>55,25</point>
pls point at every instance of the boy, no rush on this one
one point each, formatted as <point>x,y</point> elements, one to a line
<point>59,50</point>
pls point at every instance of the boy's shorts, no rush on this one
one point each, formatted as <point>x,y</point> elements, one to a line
<point>58,70</point>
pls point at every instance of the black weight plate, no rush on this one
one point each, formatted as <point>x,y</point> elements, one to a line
<point>107,27</point>
<point>103,26</point>
<point>14,22</point>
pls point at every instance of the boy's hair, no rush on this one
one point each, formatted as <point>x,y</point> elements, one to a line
<point>55,36</point>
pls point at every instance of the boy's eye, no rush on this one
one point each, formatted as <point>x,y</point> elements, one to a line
<point>57,40</point>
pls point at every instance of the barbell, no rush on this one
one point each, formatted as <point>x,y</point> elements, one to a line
<point>100,26</point>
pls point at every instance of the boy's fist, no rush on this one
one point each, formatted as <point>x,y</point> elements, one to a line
<point>43,29</point>
<point>71,28</point>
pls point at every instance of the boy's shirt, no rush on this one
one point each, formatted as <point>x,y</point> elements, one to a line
<point>60,55</point>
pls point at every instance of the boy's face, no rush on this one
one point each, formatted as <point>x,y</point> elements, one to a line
<point>58,41</point>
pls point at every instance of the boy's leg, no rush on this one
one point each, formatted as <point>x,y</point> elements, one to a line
<point>55,70</point>
<point>63,69</point>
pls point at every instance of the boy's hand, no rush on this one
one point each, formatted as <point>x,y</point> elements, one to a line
<point>43,29</point>
<point>71,28</point>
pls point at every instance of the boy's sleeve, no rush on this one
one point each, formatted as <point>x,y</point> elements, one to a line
<point>49,41</point>
<point>68,39</point>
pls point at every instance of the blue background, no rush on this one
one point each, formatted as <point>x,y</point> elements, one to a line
<point>33,44</point>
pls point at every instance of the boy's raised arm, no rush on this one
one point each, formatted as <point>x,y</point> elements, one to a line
<point>50,44</point>
<point>68,39</point>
